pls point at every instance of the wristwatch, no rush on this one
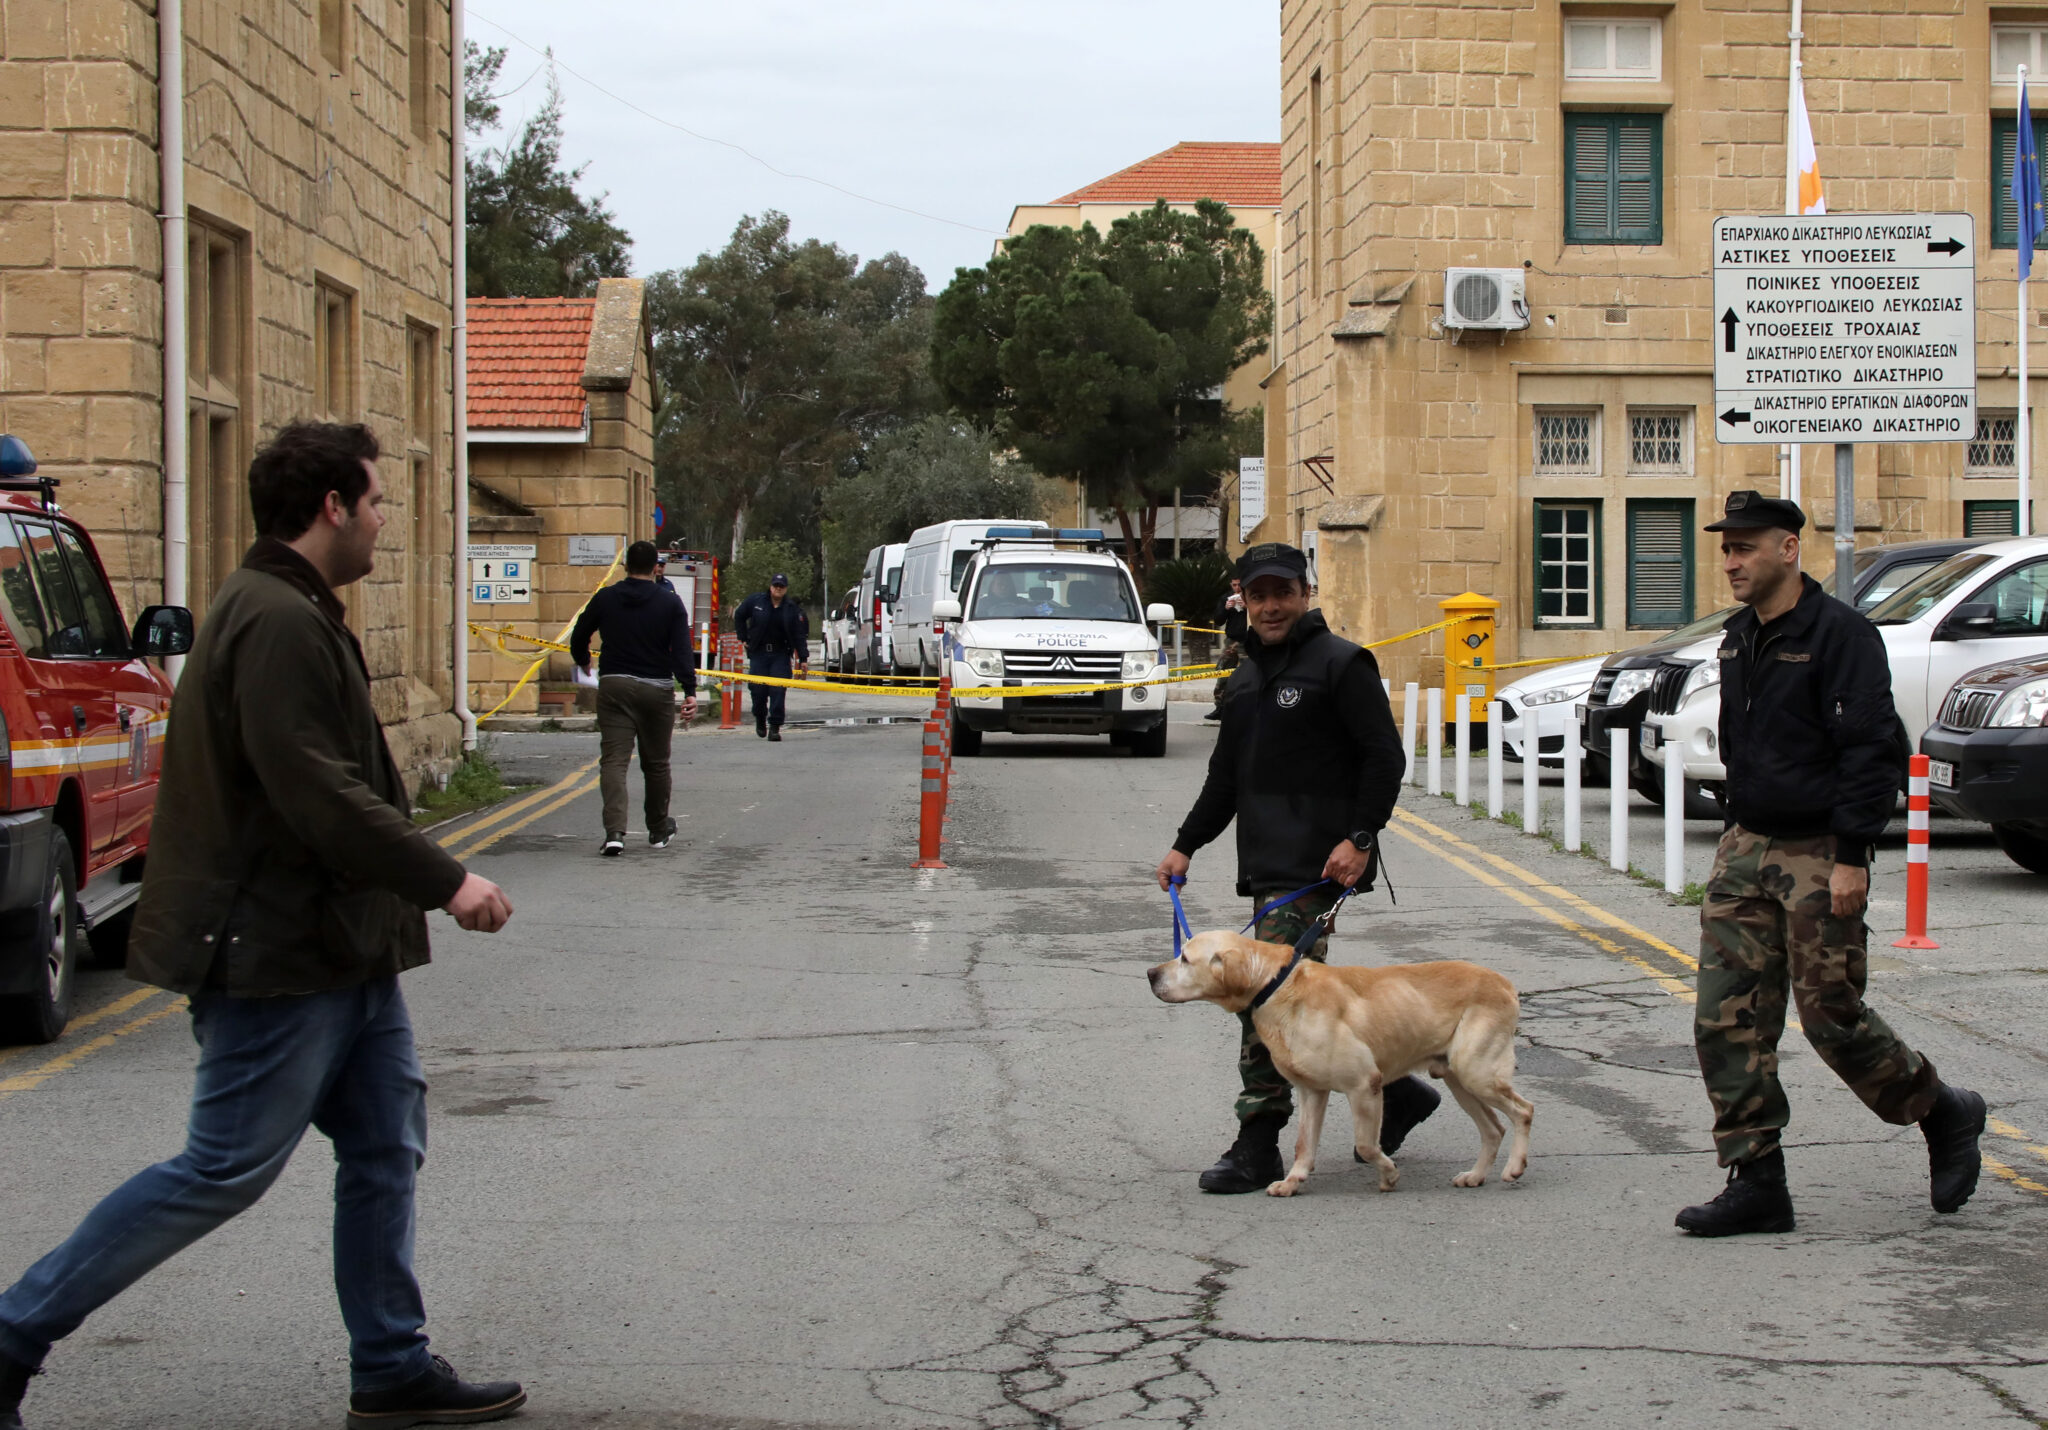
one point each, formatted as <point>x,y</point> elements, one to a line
<point>1362,838</point>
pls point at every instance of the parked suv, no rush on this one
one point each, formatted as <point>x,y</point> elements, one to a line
<point>1988,755</point>
<point>82,717</point>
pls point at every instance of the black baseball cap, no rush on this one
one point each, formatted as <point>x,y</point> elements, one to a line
<point>1272,558</point>
<point>1753,511</point>
<point>778,579</point>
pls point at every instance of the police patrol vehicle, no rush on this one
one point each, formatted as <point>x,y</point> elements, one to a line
<point>1054,608</point>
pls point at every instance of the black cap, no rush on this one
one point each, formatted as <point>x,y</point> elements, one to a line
<point>1752,511</point>
<point>661,558</point>
<point>1272,558</point>
<point>778,579</point>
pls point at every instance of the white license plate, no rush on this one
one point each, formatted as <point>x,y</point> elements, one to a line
<point>1941,772</point>
<point>1653,736</point>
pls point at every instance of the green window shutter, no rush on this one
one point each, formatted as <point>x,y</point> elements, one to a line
<point>1990,520</point>
<point>1614,178</point>
<point>2005,135</point>
<point>1660,563</point>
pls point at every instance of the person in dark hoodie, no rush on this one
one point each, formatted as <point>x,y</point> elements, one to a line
<point>1309,764</point>
<point>646,655</point>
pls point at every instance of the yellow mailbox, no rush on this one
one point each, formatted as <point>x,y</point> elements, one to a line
<point>1468,653</point>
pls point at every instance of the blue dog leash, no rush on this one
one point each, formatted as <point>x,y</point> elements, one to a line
<point>1181,928</point>
<point>1317,927</point>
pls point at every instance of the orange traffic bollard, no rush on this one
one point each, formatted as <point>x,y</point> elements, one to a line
<point>931,806</point>
<point>1916,857</point>
<point>728,690</point>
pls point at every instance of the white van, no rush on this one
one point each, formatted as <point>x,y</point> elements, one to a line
<point>934,560</point>
<point>878,581</point>
<point>1054,608</point>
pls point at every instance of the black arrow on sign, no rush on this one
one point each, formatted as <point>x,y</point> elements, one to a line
<point>1729,320</point>
<point>1731,417</point>
<point>1950,246</point>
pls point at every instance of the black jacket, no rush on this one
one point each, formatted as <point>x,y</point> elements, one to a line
<point>646,633</point>
<point>765,628</point>
<point>1809,733</point>
<point>1231,620</point>
<point>1308,755</point>
<point>286,860</point>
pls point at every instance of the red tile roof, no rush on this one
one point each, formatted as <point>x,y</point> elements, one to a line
<point>526,359</point>
<point>1247,174</point>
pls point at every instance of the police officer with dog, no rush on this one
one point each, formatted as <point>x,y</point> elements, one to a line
<point>1309,763</point>
<point>1812,745</point>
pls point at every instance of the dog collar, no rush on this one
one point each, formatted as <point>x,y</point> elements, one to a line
<point>1315,932</point>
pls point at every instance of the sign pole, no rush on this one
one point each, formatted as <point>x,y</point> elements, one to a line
<point>2023,525</point>
<point>1845,521</point>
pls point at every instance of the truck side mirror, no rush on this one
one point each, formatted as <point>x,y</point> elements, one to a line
<point>945,609</point>
<point>1972,618</point>
<point>162,631</point>
<point>1159,614</point>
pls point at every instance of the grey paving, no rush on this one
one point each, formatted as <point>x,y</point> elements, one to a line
<point>767,1129</point>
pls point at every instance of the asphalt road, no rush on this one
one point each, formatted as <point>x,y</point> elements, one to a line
<point>768,1129</point>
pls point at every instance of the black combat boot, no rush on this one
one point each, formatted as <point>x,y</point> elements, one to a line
<point>1253,1162</point>
<point>1952,1130</point>
<point>1755,1199</point>
<point>13,1385</point>
<point>1404,1106</point>
<point>436,1396</point>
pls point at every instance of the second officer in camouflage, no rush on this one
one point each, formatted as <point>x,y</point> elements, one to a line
<point>1810,739</point>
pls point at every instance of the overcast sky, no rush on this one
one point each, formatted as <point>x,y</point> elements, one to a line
<point>958,109</point>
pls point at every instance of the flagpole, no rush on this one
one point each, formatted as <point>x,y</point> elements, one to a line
<point>2026,417</point>
<point>1789,453</point>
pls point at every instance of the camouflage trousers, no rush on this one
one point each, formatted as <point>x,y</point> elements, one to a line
<point>1227,659</point>
<point>1767,918</point>
<point>1265,1090</point>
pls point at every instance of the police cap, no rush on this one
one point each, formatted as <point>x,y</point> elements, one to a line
<point>1752,511</point>
<point>1272,558</point>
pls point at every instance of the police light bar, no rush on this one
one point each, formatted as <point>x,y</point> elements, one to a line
<point>1078,533</point>
<point>1012,533</point>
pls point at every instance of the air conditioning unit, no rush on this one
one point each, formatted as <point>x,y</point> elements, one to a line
<point>1490,299</point>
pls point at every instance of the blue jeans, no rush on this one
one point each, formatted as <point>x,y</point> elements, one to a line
<point>768,699</point>
<point>343,1062</point>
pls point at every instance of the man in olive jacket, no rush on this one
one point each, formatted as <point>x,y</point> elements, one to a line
<point>285,893</point>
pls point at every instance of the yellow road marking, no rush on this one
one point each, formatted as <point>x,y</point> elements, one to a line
<point>85,1020</point>
<point>504,812</point>
<point>513,828</point>
<point>1674,986</point>
<point>1998,1168</point>
<point>1538,882</point>
<point>36,1076</point>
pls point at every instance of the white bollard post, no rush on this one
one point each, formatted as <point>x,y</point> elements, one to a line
<point>1532,769</point>
<point>1461,759</point>
<point>1408,733</point>
<point>1433,741</point>
<point>1617,798</point>
<point>1493,759</point>
<point>1674,821</point>
<point>1388,686</point>
<point>1179,656</point>
<point>1573,785</point>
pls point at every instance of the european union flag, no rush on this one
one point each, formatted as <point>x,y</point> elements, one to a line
<point>2026,189</point>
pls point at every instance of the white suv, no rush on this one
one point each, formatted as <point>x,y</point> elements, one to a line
<point>1981,606</point>
<point>1053,608</point>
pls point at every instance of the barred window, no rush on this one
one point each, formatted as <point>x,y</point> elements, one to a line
<point>1993,450</point>
<point>1568,442</point>
<point>1658,443</point>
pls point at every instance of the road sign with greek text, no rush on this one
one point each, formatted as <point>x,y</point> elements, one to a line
<point>1845,328</point>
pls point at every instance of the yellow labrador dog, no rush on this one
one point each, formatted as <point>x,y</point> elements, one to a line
<point>1353,1030</point>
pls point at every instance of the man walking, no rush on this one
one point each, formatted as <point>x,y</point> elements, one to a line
<point>285,907</point>
<point>1810,740</point>
<point>773,629</point>
<point>1309,764</point>
<point>647,654</point>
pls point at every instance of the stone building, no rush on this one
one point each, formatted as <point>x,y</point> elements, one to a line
<point>1245,178</point>
<point>1565,468</point>
<point>561,457</point>
<point>317,254</point>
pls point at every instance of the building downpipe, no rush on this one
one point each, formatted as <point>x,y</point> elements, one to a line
<point>170,41</point>
<point>459,363</point>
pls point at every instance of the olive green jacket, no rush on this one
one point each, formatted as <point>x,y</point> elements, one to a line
<point>283,857</point>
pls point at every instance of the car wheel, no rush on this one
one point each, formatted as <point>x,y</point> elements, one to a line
<point>1149,744</point>
<point>966,739</point>
<point>40,1015</point>
<point>2024,847</point>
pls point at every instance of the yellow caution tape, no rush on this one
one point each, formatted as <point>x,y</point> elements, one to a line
<point>1008,692</point>
<point>1544,660</point>
<point>553,645</point>
<point>1411,635</point>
